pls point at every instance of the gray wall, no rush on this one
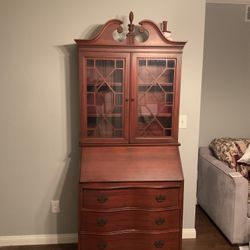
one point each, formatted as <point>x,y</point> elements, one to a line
<point>225,99</point>
<point>39,103</point>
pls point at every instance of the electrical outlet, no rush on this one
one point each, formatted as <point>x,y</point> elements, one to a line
<point>55,206</point>
<point>183,121</point>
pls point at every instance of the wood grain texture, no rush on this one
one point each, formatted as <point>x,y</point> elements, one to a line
<point>125,220</point>
<point>146,198</point>
<point>131,241</point>
<point>123,191</point>
<point>117,164</point>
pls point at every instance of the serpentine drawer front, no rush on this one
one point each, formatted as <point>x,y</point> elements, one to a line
<point>129,197</point>
<point>100,221</point>
<point>130,216</point>
<point>131,241</point>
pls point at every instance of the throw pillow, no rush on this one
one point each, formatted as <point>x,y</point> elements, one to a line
<point>246,157</point>
<point>229,150</point>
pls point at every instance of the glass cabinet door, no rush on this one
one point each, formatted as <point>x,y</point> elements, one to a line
<point>154,94</point>
<point>105,81</point>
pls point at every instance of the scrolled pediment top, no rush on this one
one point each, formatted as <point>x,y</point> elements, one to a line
<point>147,33</point>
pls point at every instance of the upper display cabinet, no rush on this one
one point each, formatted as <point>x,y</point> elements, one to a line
<point>130,85</point>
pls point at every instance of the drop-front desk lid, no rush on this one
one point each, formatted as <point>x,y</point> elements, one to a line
<point>132,163</point>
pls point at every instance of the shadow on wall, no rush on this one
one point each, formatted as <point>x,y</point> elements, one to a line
<point>67,189</point>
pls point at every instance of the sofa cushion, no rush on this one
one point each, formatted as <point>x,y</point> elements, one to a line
<point>248,208</point>
<point>230,150</point>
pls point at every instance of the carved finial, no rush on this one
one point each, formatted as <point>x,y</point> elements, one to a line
<point>131,29</point>
<point>164,26</point>
<point>131,26</point>
<point>165,30</point>
<point>131,16</point>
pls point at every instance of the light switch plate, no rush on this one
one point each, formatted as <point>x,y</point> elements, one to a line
<point>183,121</point>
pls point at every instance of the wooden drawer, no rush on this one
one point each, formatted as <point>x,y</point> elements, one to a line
<point>130,219</point>
<point>130,197</point>
<point>130,241</point>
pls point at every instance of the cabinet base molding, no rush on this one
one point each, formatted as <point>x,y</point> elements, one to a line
<point>46,239</point>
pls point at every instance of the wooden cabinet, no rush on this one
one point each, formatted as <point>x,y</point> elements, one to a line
<point>129,97</point>
<point>131,181</point>
<point>133,204</point>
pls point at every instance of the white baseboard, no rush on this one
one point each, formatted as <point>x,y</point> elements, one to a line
<point>244,247</point>
<point>37,239</point>
<point>188,233</point>
<point>43,239</point>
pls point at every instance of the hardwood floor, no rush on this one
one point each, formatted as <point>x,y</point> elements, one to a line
<point>43,247</point>
<point>208,238</point>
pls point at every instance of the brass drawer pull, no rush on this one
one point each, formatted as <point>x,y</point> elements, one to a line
<point>102,198</point>
<point>101,222</point>
<point>101,245</point>
<point>159,243</point>
<point>160,198</point>
<point>159,221</point>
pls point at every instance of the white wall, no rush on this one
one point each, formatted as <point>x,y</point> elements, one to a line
<point>225,102</point>
<point>39,103</point>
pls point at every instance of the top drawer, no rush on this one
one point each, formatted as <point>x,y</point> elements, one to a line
<point>130,197</point>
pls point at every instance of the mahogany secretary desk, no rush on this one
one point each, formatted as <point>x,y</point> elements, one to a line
<point>131,181</point>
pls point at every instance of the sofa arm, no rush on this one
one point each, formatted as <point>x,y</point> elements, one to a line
<point>222,196</point>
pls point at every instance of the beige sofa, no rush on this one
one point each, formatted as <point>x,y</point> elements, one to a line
<point>223,194</point>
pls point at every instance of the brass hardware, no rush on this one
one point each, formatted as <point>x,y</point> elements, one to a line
<point>102,198</point>
<point>160,198</point>
<point>101,245</point>
<point>159,243</point>
<point>101,222</point>
<point>160,221</point>
<point>132,100</point>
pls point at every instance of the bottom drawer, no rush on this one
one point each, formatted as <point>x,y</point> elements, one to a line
<point>130,241</point>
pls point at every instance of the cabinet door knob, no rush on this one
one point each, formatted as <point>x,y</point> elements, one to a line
<point>159,243</point>
<point>101,245</point>
<point>102,198</point>
<point>160,198</point>
<point>101,222</point>
<point>160,221</point>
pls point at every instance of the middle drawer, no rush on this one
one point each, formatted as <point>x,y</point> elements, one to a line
<point>129,219</point>
<point>130,197</point>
